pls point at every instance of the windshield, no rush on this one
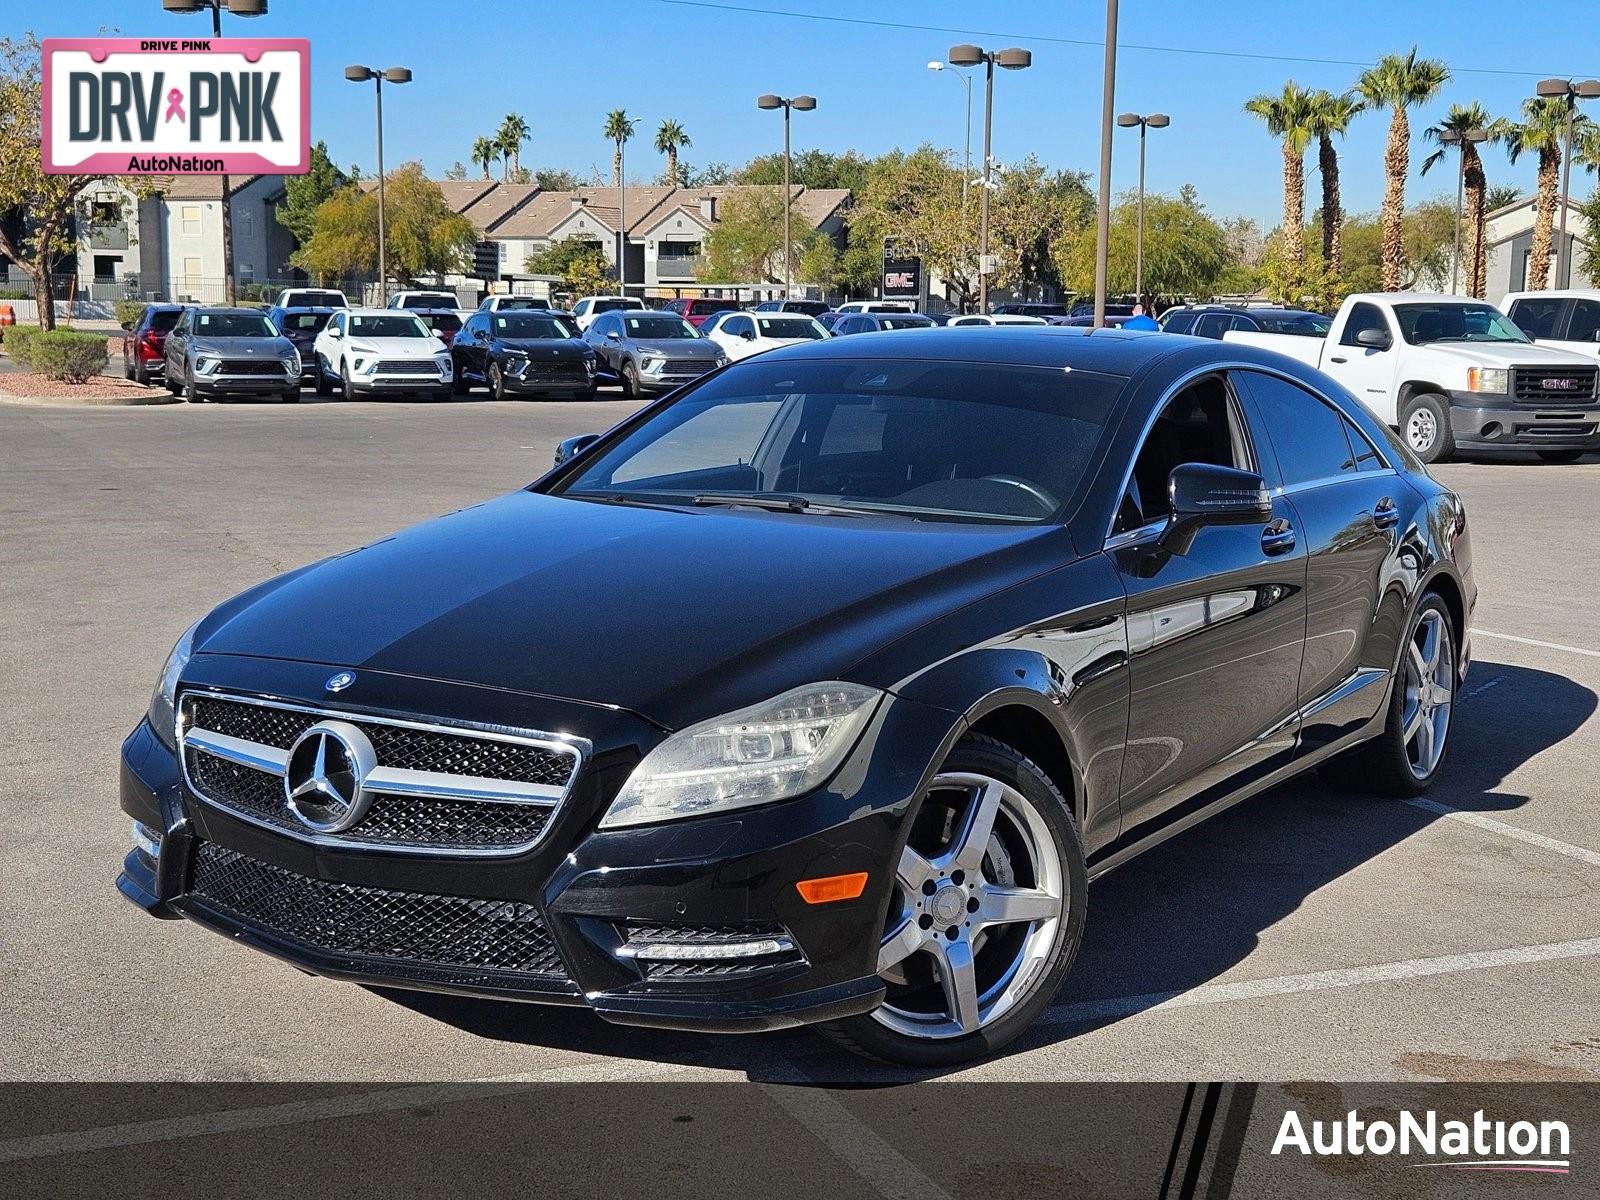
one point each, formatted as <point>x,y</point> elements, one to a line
<point>601,306</point>
<point>303,322</point>
<point>163,319</point>
<point>659,327</point>
<point>316,299</point>
<point>429,300</point>
<point>1422,324</point>
<point>397,326</point>
<point>510,303</point>
<point>1299,324</point>
<point>790,327</point>
<point>906,322</point>
<point>939,441</point>
<point>230,324</point>
<point>527,325</point>
<point>703,307</point>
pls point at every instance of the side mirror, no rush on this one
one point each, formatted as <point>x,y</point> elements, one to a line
<point>613,336</point>
<point>1374,339</point>
<point>335,333</point>
<point>1213,494</point>
<point>749,335</point>
<point>574,446</point>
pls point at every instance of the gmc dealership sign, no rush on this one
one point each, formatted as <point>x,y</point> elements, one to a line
<point>169,106</point>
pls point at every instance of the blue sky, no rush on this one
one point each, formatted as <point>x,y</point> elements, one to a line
<point>563,65</point>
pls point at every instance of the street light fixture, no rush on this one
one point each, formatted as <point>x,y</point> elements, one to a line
<point>1013,58</point>
<point>788,104</point>
<point>239,8</point>
<point>1152,121</point>
<point>1451,138</point>
<point>966,153</point>
<point>1571,92</point>
<point>396,75</point>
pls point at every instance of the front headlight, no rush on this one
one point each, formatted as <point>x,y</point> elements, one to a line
<point>650,365</point>
<point>442,361</point>
<point>204,365</point>
<point>1495,380</point>
<point>772,751</point>
<point>291,363</point>
<point>163,718</point>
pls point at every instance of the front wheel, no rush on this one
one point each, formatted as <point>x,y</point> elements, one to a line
<point>630,381</point>
<point>497,382</point>
<point>346,387</point>
<point>324,387</point>
<point>1561,456</point>
<point>191,393</point>
<point>1426,428</point>
<point>292,396</point>
<point>987,913</point>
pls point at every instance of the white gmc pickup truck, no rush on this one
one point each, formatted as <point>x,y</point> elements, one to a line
<point>1449,371</point>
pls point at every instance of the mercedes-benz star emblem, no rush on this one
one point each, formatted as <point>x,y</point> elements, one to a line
<point>340,680</point>
<point>324,779</point>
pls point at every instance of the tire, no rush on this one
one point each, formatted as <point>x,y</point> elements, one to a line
<point>190,392</point>
<point>1033,847</point>
<point>459,385</point>
<point>629,377</point>
<point>292,396</point>
<point>588,393</point>
<point>443,394</point>
<point>175,386</point>
<point>1389,764</point>
<point>127,364</point>
<point>1425,426</point>
<point>347,390</point>
<point>324,388</point>
<point>497,382</point>
<point>141,375</point>
<point>1562,456</point>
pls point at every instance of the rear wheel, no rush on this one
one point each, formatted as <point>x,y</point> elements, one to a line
<point>324,387</point>
<point>1405,758</point>
<point>987,914</point>
<point>1426,428</point>
<point>1561,456</point>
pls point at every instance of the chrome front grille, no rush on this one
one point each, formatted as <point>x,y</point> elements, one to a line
<point>407,366</point>
<point>250,366</point>
<point>434,787</point>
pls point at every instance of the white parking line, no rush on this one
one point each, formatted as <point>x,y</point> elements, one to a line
<point>1479,821</point>
<point>1317,981</point>
<point>1527,641</point>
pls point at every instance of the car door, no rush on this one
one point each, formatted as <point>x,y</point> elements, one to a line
<point>1542,318</point>
<point>735,341</point>
<point>1352,511</point>
<point>1576,328</point>
<point>1367,371</point>
<point>1216,622</point>
<point>607,350</point>
<point>177,346</point>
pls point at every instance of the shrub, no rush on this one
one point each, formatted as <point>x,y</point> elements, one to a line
<point>129,312</point>
<point>67,355</point>
<point>16,342</point>
<point>16,293</point>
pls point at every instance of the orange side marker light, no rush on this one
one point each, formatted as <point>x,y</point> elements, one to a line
<point>832,887</point>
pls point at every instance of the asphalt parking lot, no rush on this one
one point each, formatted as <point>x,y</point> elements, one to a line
<point>1304,934</point>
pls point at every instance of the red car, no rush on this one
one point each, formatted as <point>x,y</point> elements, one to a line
<point>144,343</point>
<point>700,309</point>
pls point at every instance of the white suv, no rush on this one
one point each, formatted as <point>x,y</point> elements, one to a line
<point>368,350</point>
<point>310,297</point>
<point>433,298</point>
<point>590,307</point>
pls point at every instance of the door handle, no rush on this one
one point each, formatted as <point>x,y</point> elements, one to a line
<point>1339,360</point>
<point>1278,537</point>
<point>1386,515</point>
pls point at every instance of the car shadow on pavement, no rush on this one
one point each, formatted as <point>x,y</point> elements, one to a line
<point>1172,920</point>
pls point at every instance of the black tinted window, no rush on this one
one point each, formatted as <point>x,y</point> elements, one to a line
<point>1367,458</point>
<point>164,318</point>
<point>1362,316</point>
<point>1585,320</point>
<point>1213,325</point>
<point>1537,318</point>
<point>1180,323</point>
<point>1307,434</point>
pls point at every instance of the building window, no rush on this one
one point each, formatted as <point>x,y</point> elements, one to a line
<point>104,212</point>
<point>105,267</point>
<point>679,250</point>
<point>191,275</point>
<point>190,215</point>
<point>247,273</point>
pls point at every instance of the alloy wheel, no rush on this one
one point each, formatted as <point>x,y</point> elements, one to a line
<point>1429,693</point>
<point>979,905</point>
<point>1422,429</point>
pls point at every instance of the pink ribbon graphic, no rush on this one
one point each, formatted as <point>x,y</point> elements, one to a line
<point>175,106</point>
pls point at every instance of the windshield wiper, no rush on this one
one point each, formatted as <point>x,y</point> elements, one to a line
<point>775,501</point>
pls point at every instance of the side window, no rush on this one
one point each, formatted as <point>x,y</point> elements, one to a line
<point>1198,425</point>
<point>1367,457</point>
<point>1537,317</point>
<point>1247,324</point>
<point>1362,316</point>
<point>1212,325</point>
<point>739,326</point>
<point>1180,323</point>
<point>1584,323</point>
<point>1307,433</point>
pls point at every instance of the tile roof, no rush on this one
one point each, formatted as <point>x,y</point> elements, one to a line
<point>200,187</point>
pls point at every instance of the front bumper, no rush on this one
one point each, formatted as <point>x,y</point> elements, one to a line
<point>591,889</point>
<point>245,385</point>
<point>400,383</point>
<point>1477,423</point>
<point>665,382</point>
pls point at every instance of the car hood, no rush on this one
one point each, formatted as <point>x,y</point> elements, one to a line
<point>546,347</point>
<point>397,347</point>
<point>674,615</point>
<point>1509,354</point>
<point>676,347</point>
<point>275,347</point>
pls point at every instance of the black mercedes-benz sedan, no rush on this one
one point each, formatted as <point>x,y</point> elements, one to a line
<point>523,353</point>
<point>817,691</point>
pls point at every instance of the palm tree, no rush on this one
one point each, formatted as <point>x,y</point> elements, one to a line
<point>1460,120</point>
<point>1331,113</point>
<point>1398,82</point>
<point>619,129</point>
<point>671,138</point>
<point>485,151</point>
<point>513,132</point>
<point>1541,131</point>
<point>1288,116</point>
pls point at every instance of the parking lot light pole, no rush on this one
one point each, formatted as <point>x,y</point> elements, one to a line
<point>1108,103</point>
<point>1012,59</point>
<point>1451,138</point>
<point>239,8</point>
<point>788,104</point>
<point>360,74</point>
<point>966,152</point>
<point>1571,92</point>
<point>1152,121</point>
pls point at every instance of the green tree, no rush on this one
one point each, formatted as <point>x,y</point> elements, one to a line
<point>1288,116</point>
<point>811,169</point>
<point>618,128</point>
<point>671,138</point>
<point>41,204</point>
<point>555,179</point>
<point>456,172</point>
<point>1540,132</point>
<point>714,174</point>
<point>1461,119</point>
<point>1501,195</point>
<point>579,262</point>
<point>1588,248</point>
<point>304,194</point>
<point>1331,114</point>
<point>1186,250</point>
<point>1031,211</point>
<point>1398,82</point>
<point>746,243</point>
<point>425,236</point>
